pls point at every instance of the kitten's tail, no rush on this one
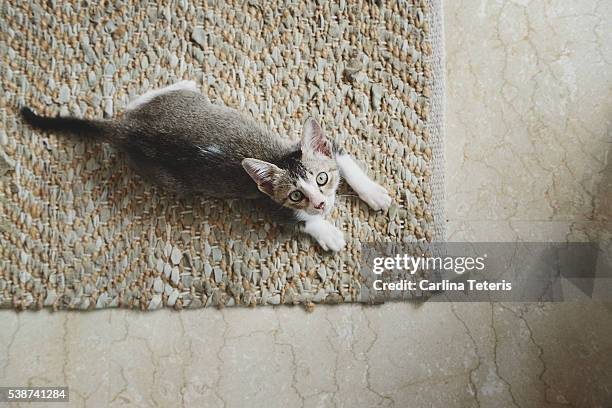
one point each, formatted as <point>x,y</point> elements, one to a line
<point>103,130</point>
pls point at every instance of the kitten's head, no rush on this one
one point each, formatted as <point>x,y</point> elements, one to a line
<point>306,180</point>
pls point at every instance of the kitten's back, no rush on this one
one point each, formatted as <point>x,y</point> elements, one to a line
<point>189,115</point>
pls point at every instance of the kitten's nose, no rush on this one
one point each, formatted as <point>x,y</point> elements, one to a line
<point>320,206</point>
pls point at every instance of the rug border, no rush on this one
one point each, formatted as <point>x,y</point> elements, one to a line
<point>436,124</point>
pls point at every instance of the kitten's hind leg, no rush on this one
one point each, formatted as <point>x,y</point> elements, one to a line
<point>375,195</point>
<point>150,95</point>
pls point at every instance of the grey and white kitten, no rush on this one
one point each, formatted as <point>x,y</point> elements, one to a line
<point>176,138</point>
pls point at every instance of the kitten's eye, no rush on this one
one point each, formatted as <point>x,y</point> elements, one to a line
<point>296,196</point>
<point>322,178</point>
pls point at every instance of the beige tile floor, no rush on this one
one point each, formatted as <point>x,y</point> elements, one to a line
<point>528,152</point>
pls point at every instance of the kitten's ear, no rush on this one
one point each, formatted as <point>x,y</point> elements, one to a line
<point>262,173</point>
<point>314,140</point>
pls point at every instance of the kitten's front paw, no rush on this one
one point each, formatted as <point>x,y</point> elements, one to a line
<point>376,196</point>
<point>332,240</point>
<point>329,237</point>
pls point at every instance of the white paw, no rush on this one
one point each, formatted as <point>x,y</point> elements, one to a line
<point>376,196</point>
<point>329,237</point>
<point>332,240</point>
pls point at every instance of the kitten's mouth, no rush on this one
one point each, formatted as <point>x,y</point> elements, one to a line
<point>324,210</point>
<point>317,211</point>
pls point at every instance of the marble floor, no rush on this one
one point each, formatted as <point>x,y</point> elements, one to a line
<point>529,105</point>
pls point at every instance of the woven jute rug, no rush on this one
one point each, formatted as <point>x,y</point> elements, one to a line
<point>80,230</point>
